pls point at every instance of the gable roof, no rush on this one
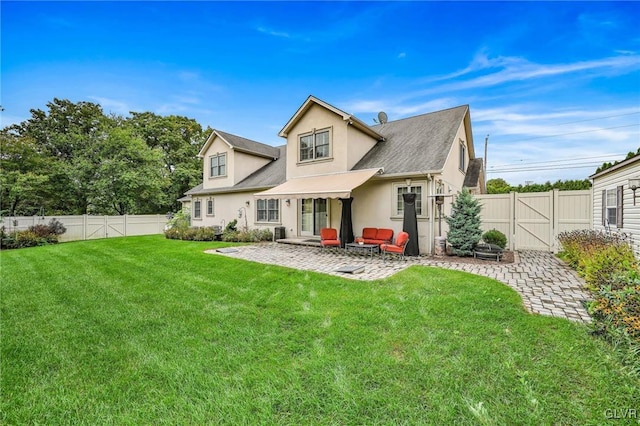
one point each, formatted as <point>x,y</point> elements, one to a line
<point>270,175</point>
<point>312,100</point>
<point>415,144</point>
<point>238,143</point>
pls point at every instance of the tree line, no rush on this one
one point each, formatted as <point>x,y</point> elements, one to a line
<point>75,159</point>
<point>500,186</point>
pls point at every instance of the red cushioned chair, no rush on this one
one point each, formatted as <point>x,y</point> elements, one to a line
<point>398,247</point>
<point>329,237</point>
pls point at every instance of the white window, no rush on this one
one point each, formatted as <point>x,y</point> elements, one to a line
<point>210,207</point>
<point>218,165</point>
<point>415,188</point>
<point>196,209</point>
<point>612,207</point>
<point>268,210</point>
<point>314,146</point>
<point>463,154</point>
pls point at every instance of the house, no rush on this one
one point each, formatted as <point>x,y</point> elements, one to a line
<point>615,206</point>
<point>331,156</point>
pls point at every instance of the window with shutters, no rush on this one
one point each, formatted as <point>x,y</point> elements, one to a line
<point>612,207</point>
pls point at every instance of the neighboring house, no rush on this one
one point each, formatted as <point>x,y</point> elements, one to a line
<point>331,155</point>
<point>616,206</point>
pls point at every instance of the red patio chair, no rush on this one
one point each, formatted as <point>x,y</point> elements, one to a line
<point>397,248</point>
<point>329,237</point>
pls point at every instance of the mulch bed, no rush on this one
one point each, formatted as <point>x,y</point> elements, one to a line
<point>507,257</point>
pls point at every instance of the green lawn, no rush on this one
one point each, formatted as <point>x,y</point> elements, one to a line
<point>145,330</point>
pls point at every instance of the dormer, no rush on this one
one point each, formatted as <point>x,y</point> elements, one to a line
<point>323,139</point>
<point>228,159</point>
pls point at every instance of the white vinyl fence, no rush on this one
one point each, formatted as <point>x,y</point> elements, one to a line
<point>86,227</point>
<point>532,221</point>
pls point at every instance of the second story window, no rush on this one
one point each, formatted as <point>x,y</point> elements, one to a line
<point>218,165</point>
<point>314,146</point>
<point>463,156</point>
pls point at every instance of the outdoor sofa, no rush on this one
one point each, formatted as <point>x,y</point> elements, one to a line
<point>376,236</point>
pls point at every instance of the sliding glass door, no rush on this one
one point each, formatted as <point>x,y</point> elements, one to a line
<point>314,215</point>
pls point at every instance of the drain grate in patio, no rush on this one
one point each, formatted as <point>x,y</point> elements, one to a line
<point>351,269</point>
<point>227,250</point>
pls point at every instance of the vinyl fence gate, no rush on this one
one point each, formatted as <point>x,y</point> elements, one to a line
<point>533,221</point>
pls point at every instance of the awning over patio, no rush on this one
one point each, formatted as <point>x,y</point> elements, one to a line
<point>335,185</point>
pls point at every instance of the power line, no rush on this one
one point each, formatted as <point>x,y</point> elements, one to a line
<point>560,161</point>
<point>594,119</point>
<point>540,169</point>
<point>573,133</point>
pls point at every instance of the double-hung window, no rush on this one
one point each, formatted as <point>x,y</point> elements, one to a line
<point>218,165</point>
<point>463,156</point>
<point>612,207</point>
<point>404,189</point>
<point>197,214</point>
<point>268,210</point>
<point>315,146</point>
<point>210,207</point>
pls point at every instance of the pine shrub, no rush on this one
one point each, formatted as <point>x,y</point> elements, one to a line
<point>464,224</point>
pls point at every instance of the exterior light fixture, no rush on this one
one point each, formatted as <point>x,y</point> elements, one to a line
<point>247,203</point>
<point>287,202</point>
<point>633,185</point>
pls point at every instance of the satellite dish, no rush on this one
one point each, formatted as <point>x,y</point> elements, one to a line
<point>382,117</point>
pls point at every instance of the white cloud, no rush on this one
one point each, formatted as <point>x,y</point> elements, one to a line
<point>273,33</point>
<point>112,105</point>
<point>402,55</point>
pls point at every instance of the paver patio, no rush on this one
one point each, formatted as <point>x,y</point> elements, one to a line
<point>546,284</point>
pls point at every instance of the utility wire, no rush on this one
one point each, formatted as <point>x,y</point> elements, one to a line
<point>594,119</point>
<point>573,133</point>
<point>560,161</point>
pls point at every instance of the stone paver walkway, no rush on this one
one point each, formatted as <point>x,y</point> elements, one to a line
<point>546,284</point>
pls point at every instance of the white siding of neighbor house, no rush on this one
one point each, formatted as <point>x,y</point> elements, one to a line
<point>631,213</point>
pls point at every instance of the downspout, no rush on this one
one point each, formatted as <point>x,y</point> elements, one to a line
<point>431,212</point>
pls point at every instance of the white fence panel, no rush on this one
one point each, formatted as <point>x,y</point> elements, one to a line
<point>87,227</point>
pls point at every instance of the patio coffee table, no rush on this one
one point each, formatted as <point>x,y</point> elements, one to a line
<point>362,248</point>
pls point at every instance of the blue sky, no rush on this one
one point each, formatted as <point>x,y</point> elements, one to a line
<point>555,85</point>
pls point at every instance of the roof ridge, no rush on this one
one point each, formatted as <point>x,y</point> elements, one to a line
<point>423,114</point>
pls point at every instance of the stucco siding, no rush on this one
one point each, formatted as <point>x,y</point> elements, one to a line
<point>218,146</point>
<point>318,118</point>
<point>226,207</point>
<point>452,176</point>
<point>358,144</point>
<point>631,213</point>
<point>245,164</point>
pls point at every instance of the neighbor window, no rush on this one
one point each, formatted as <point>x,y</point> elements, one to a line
<point>268,210</point>
<point>314,146</point>
<point>612,207</point>
<point>196,209</point>
<point>416,189</point>
<point>218,165</point>
<point>210,207</point>
<point>463,153</point>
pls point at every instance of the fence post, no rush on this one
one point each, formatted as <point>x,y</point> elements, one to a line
<point>126,219</point>
<point>512,220</point>
<point>555,208</point>
<point>84,227</point>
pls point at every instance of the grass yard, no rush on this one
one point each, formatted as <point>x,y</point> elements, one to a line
<point>145,330</point>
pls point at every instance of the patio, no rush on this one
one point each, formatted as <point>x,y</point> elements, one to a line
<point>547,285</point>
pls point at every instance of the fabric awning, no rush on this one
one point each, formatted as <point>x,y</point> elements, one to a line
<point>335,185</point>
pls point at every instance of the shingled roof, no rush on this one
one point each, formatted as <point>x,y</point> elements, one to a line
<point>267,176</point>
<point>242,144</point>
<point>415,144</point>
